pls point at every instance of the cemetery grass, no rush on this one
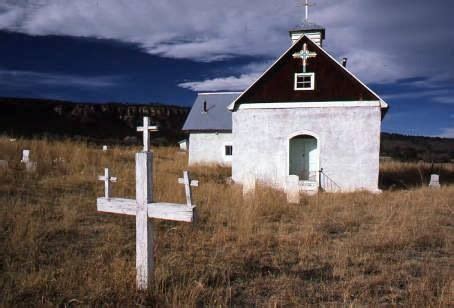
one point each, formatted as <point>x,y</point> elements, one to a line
<point>395,248</point>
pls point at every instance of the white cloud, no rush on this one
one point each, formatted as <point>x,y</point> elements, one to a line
<point>384,40</point>
<point>22,79</point>
<point>230,83</point>
<point>444,99</point>
<point>413,93</point>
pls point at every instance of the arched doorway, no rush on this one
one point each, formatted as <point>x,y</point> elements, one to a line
<point>303,157</point>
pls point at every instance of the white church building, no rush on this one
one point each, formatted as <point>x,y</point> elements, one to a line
<point>306,117</point>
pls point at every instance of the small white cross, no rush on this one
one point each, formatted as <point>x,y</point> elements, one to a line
<point>146,129</point>
<point>107,179</point>
<point>187,187</point>
<point>304,54</point>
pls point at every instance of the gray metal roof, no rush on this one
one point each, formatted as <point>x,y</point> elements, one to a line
<point>217,117</point>
<point>306,25</point>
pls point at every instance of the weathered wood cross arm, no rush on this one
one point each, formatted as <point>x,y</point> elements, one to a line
<point>158,210</point>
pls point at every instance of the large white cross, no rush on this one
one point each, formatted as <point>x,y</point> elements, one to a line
<point>143,208</point>
<point>304,54</point>
<point>107,179</point>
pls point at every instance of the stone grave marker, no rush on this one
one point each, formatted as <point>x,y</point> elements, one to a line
<point>30,166</point>
<point>434,181</point>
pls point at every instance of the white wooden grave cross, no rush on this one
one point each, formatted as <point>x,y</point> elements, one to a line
<point>145,129</point>
<point>107,179</point>
<point>143,208</point>
<point>187,186</point>
<point>304,54</point>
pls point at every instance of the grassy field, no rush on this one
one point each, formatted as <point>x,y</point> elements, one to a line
<point>395,248</point>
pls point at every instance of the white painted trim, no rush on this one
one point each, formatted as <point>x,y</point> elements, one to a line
<point>312,87</point>
<point>383,104</point>
<point>290,105</point>
<point>214,93</point>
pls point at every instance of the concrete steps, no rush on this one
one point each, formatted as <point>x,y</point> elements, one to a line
<point>308,187</point>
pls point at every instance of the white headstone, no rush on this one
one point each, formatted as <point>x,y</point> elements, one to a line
<point>25,156</point>
<point>183,144</point>
<point>30,166</point>
<point>434,181</point>
<point>104,148</point>
<point>292,189</point>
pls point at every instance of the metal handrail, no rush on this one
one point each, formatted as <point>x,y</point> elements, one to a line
<point>324,182</point>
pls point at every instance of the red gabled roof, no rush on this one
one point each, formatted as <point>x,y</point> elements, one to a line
<point>333,82</point>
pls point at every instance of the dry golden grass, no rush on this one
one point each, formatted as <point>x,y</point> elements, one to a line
<point>356,249</point>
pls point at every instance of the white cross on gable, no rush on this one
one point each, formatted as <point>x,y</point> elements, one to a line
<point>187,187</point>
<point>304,54</point>
<point>107,179</point>
<point>146,129</point>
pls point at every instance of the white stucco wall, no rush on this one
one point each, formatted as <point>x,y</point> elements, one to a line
<point>348,143</point>
<point>209,148</point>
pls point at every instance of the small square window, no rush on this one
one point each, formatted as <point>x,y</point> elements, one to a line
<point>304,81</point>
<point>228,150</point>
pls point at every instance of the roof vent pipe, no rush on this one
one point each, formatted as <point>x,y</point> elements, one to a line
<point>344,62</point>
<point>205,109</point>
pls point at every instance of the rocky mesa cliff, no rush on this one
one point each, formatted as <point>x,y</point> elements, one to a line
<point>98,122</point>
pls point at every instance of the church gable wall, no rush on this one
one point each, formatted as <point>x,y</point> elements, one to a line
<point>348,141</point>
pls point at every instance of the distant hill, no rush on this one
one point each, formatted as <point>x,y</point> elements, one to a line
<point>106,122</point>
<point>117,122</point>
<point>412,148</point>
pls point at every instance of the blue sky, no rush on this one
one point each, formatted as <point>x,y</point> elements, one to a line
<point>165,51</point>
